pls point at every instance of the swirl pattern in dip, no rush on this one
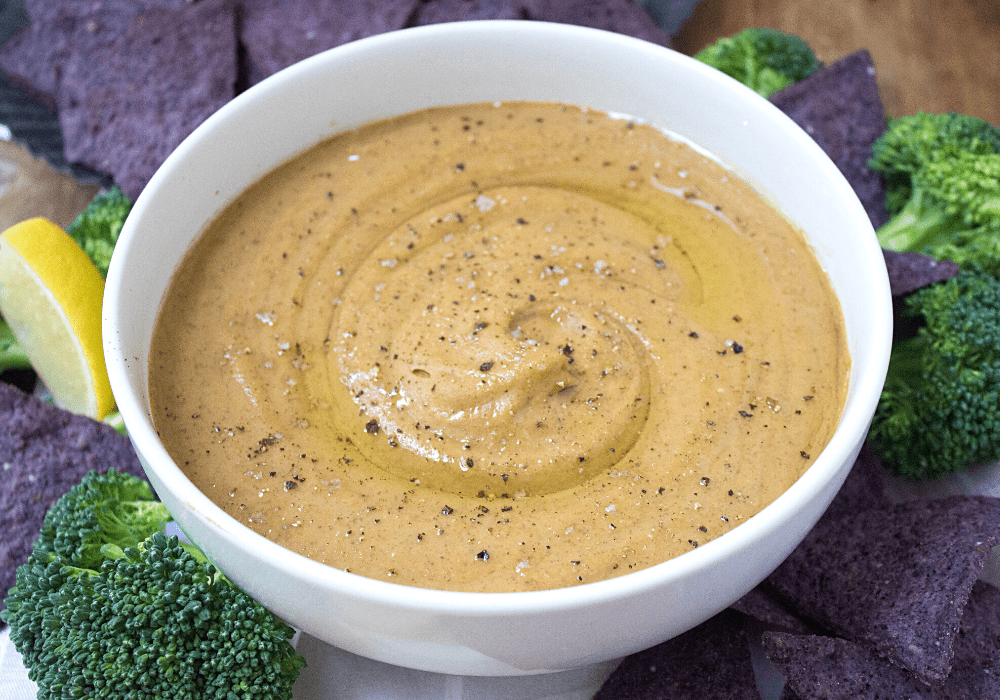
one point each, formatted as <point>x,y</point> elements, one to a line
<point>498,347</point>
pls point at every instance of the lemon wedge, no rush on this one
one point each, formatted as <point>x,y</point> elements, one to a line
<point>50,295</point>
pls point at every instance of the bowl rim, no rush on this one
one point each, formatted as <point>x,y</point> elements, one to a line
<point>824,468</point>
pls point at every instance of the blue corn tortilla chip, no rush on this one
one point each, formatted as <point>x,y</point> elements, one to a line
<point>908,272</point>
<point>621,16</point>
<point>762,605</point>
<point>438,11</point>
<point>171,69</point>
<point>45,451</point>
<point>277,33</point>
<point>976,666</point>
<point>863,489</point>
<point>831,668</point>
<point>130,79</point>
<point>839,106</point>
<point>895,579</point>
<point>64,32</point>
<point>710,662</point>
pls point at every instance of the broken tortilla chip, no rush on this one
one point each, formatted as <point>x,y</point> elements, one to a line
<point>710,662</point>
<point>908,272</point>
<point>61,33</point>
<point>621,16</point>
<point>438,11</point>
<point>45,451</point>
<point>762,605</point>
<point>976,666</point>
<point>832,668</point>
<point>895,579</point>
<point>839,106</point>
<point>278,33</point>
<point>863,489</point>
<point>169,71</point>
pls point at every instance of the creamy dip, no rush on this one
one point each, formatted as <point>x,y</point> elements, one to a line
<point>498,347</point>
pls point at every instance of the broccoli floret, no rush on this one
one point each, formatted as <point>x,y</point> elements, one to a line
<point>938,409</point>
<point>12,353</point>
<point>937,412</point>
<point>96,228</point>
<point>42,587</point>
<point>153,620</point>
<point>912,141</point>
<point>953,212</point>
<point>155,623</point>
<point>765,60</point>
<point>103,509</point>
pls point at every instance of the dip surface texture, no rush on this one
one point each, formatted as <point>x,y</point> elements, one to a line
<point>498,347</point>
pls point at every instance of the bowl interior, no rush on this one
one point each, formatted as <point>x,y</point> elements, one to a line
<point>472,62</point>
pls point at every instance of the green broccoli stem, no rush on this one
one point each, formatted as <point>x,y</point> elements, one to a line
<point>76,572</point>
<point>913,228</point>
<point>112,552</point>
<point>12,353</point>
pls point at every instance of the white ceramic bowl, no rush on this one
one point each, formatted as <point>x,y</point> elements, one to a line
<point>512,633</point>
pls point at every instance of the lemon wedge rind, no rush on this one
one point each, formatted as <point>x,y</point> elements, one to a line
<point>51,295</point>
